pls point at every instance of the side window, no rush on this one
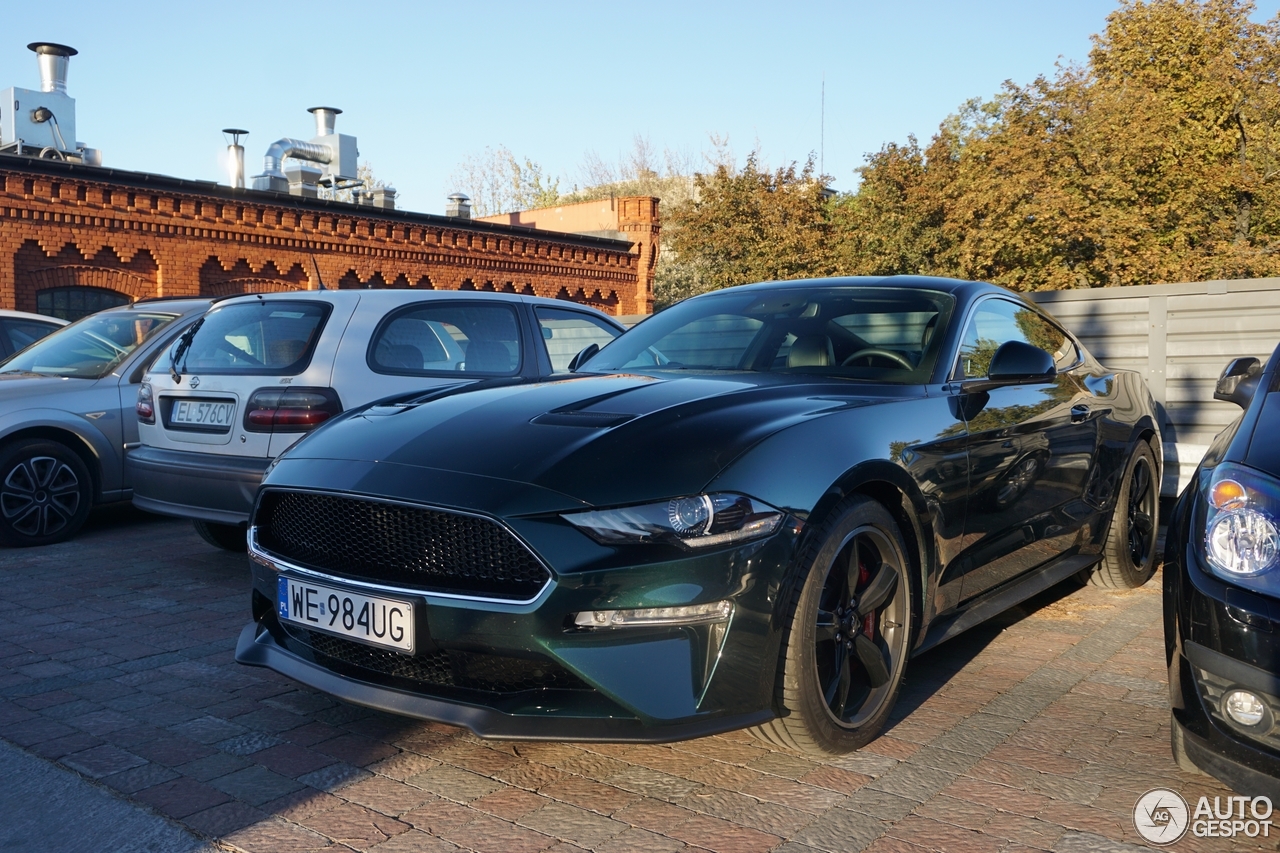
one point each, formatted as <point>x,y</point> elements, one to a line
<point>566,333</point>
<point>997,321</point>
<point>21,334</point>
<point>441,336</point>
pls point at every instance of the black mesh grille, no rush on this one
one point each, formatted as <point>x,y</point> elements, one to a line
<point>405,545</point>
<point>469,670</point>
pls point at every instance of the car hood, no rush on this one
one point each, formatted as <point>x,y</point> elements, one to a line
<point>25,386</point>
<point>603,440</point>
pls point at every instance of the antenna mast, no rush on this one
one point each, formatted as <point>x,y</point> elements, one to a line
<point>822,133</point>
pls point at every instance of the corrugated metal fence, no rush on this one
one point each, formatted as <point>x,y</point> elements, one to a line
<point>1179,336</point>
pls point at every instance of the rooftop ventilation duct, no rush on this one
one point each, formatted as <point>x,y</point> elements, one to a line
<point>458,206</point>
<point>336,154</point>
<point>43,123</point>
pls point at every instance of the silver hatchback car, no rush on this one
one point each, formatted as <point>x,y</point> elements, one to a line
<point>258,372</point>
<point>67,404</point>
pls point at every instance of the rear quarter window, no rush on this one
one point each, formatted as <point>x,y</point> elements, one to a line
<point>448,337</point>
<point>260,337</point>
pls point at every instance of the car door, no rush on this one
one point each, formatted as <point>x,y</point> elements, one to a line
<point>1031,449</point>
<point>566,332</point>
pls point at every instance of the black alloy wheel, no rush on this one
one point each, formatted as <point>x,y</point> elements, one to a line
<point>1129,555</point>
<point>45,493</point>
<point>846,645</point>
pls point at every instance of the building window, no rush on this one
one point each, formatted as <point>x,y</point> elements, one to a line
<point>72,303</point>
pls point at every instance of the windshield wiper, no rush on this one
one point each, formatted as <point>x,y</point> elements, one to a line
<point>180,351</point>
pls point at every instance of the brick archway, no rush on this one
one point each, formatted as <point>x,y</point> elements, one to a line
<point>36,270</point>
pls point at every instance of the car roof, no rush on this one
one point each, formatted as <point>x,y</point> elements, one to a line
<point>27,315</point>
<point>955,286</point>
<point>398,296</point>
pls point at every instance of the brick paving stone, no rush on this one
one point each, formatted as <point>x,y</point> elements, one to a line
<point>102,761</point>
<point>137,778</point>
<point>593,796</point>
<point>570,823</point>
<point>414,841</point>
<point>487,834</point>
<point>354,825</point>
<point>291,760</point>
<point>277,836</point>
<point>842,831</point>
<point>181,797</point>
<point>651,783</point>
<point>213,766</point>
<point>724,836</point>
<point>225,819</point>
<point>356,750</point>
<point>453,784</point>
<point>390,797</point>
<point>640,841</point>
<point>255,785</point>
<point>334,777</point>
<point>439,817</point>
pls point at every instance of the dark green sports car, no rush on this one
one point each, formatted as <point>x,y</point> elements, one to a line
<point>749,511</point>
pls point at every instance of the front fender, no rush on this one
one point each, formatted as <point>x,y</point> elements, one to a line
<point>104,458</point>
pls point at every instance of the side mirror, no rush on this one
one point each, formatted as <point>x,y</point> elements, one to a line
<point>1238,382</point>
<point>1015,363</point>
<point>583,356</point>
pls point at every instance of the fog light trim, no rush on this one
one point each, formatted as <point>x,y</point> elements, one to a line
<point>1244,708</point>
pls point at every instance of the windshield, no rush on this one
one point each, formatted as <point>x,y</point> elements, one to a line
<point>262,336</point>
<point>89,348</point>
<point>880,334</point>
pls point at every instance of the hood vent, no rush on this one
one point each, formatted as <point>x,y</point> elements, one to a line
<point>590,420</point>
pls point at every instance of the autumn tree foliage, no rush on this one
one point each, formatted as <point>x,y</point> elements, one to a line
<point>1157,161</point>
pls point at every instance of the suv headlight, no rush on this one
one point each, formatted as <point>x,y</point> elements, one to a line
<point>698,521</point>
<point>1242,526</point>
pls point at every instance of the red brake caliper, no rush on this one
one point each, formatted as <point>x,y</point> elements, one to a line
<point>868,621</point>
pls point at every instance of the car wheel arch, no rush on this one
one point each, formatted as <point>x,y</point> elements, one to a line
<point>74,442</point>
<point>889,486</point>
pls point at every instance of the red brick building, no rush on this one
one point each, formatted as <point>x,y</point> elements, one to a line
<point>66,227</point>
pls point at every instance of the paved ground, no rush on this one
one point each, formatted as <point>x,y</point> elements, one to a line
<point>1039,731</point>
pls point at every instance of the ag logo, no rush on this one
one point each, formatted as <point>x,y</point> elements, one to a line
<point>1161,816</point>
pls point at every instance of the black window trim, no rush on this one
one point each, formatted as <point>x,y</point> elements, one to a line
<point>540,344</point>
<point>513,306</point>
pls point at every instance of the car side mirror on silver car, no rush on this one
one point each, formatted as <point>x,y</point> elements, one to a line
<point>1238,382</point>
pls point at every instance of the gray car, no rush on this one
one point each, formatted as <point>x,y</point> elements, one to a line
<point>67,415</point>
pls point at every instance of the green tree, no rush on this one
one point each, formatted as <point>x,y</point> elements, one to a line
<point>744,225</point>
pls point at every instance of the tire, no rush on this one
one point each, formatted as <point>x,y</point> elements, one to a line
<point>1129,554</point>
<point>228,537</point>
<point>830,700</point>
<point>46,493</point>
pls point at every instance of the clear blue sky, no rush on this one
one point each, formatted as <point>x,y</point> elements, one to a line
<point>424,85</point>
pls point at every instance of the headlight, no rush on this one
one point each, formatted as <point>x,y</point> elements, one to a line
<point>699,521</point>
<point>1241,538</point>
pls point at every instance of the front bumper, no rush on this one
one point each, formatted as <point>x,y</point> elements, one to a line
<point>521,670</point>
<point>1220,637</point>
<point>206,486</point>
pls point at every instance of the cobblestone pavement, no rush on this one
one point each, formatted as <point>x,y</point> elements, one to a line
<point>1036,732</point>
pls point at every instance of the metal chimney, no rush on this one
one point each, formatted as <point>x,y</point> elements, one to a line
<point>459,206</point>
<point>235,156</point>
<point>325,118</point>
<point>53,59</point>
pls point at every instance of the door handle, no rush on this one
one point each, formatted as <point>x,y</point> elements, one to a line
<point>1079,413</point>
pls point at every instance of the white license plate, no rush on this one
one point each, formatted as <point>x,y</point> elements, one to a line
<point>202,413</point>
<point>369,619</point>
